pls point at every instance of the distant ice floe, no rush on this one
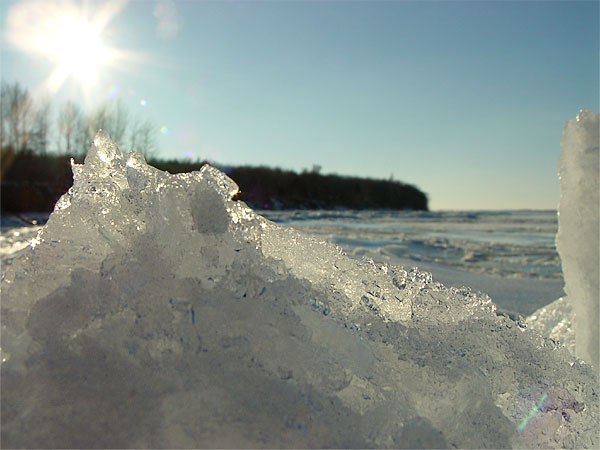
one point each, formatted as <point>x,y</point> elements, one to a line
<point>154,311</point>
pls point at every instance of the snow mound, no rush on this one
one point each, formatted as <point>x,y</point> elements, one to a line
<point>153,310</point>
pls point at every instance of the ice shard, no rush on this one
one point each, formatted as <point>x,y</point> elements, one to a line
<point>573,319</point>
<point>154,310</point>
<point>579,230</point>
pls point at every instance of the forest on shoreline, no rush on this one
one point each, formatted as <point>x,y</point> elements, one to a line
<point>33,183</point>
<point>36,153</point>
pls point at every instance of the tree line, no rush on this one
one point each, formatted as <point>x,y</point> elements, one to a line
<point>274,188</point>
<point>35,169</point>
<point>29,125</point>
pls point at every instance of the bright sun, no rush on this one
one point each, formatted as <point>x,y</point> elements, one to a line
<point>65,34</point>
<point>76,47</point>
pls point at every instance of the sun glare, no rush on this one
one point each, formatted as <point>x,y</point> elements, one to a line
<point>66,35</point>
<point>76,47</point>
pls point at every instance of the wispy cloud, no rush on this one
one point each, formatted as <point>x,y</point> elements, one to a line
<point>169,21</point>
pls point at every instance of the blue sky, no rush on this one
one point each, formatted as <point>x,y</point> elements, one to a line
<point>466,100</point>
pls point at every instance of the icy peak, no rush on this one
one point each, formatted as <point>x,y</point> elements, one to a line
<point>224,185</point>
<point>587,115</point>
<point>103,149</point>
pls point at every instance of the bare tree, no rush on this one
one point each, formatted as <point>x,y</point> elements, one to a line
<point>26,125</point>
<point>81,136</point>
<point>118,128</point>
<point>73,135</point>
<point>17,116</point>
<point>112,118</point>
<point>142,138</point>
<point>99,119</point>
<point>40,130</point>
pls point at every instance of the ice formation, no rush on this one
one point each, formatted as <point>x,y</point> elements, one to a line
<point>574,319</point>
<point>579,231</point>
<point>555,321</point>
<point>153,310</point>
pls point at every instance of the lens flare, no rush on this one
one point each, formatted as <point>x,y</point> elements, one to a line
<point>532,413</point>
<point>164,130</point>
<point>112,91</point>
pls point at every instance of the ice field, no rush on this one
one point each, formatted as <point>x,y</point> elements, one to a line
<point>152,310</point>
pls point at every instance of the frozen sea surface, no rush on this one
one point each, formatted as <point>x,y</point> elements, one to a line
<point>154,311</point>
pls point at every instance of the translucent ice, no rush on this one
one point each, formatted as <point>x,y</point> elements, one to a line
<point>153,310</point>
<point>573,320</point>
<point>555,320</point>
<point>579,229</point>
